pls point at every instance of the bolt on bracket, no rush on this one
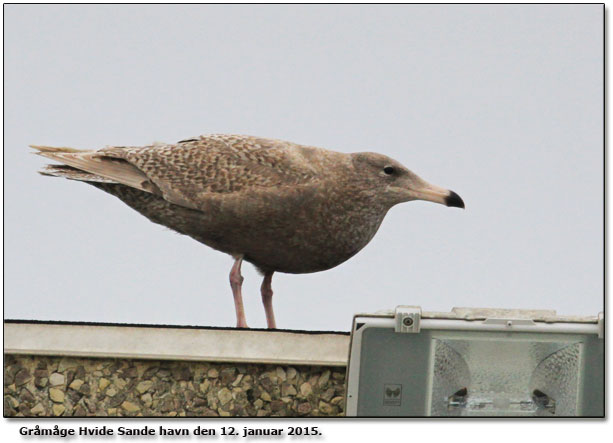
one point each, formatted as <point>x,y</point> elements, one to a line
<point>408,319</point>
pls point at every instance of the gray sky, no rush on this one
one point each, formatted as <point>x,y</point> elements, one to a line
<point>502,104</point>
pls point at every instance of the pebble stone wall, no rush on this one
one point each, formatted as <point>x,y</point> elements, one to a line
<point>55,386</point>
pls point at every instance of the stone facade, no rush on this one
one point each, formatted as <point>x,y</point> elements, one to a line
<point>56,386</point>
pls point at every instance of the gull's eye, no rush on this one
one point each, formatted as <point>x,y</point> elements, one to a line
<point>389,170</point>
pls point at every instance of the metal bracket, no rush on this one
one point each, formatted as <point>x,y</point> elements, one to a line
<point>407,319</point>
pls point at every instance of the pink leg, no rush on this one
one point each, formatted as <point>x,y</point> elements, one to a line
<point>236,281</point>
<point>267,300</point>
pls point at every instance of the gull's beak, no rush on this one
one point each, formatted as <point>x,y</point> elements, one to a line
<point>453,200</point>
<point>435,194</point>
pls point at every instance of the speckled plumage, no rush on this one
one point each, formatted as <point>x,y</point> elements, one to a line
<point>282,206</point>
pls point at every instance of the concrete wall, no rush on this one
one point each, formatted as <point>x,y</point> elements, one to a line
<point>64,386</point>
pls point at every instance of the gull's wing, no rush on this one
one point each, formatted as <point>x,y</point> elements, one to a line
<point>220,167</point>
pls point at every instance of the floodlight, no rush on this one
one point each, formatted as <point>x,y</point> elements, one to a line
<point>475,362</point>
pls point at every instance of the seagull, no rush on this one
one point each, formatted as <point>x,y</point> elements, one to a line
<point>281,206</point>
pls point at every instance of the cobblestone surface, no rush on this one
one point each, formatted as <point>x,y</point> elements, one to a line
<point>55,386</point>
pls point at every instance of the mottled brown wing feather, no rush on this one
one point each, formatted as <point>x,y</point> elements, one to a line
<point>194,172</point>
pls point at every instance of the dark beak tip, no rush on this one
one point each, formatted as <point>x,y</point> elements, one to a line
<point>453,200</point>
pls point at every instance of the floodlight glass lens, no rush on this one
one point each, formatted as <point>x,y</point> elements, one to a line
<point>504,377</point>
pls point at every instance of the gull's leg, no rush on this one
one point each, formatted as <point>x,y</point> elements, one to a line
<point>267,300</point>
<point>236,281</point>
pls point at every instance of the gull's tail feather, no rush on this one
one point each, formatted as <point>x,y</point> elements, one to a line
<point>86,165</point>
<point>73,174</point>
<point>47,149</point>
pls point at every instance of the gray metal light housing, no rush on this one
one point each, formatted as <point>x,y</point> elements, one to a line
<point>475,362</point>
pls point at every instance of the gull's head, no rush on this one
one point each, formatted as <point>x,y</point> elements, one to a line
<point>389,180</point>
